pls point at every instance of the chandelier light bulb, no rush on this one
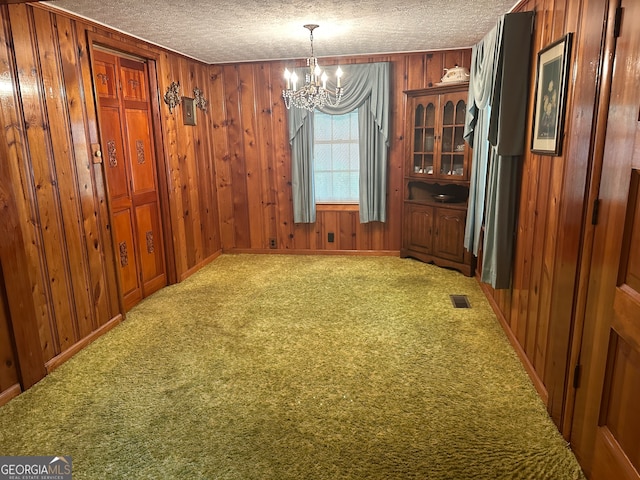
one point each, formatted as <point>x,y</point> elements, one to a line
<point>287,77</point>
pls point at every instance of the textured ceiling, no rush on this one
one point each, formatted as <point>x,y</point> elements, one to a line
<point>232,31</point>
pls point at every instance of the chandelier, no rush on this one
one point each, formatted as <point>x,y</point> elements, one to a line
<point>314,92</point>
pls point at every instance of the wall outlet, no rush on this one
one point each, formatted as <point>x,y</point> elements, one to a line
<point>330,237</point>
<point>272,243</point>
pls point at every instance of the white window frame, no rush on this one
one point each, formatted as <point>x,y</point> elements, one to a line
<point>354,140</point>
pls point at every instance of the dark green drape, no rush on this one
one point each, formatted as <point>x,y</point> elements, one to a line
<point>367,89</point>
<point>495,127</point>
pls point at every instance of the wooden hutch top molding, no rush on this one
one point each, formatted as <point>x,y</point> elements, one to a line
<point>437,89</point>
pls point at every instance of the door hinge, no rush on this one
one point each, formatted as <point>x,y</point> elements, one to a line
<point>617,23</point>
<point>596,211</point>
<point>576,376</point>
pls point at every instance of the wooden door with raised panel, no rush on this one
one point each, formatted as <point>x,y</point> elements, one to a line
<point>130,163</point>
<point>449,234</point>
<point>616,452</point>
<point>419,228</point>
<point>607,419</point>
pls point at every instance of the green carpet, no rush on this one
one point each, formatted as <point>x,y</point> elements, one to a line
<point>297,367</point>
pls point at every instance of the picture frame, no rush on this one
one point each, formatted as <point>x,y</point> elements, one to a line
<point>550,97</point>
<point>188,111</point>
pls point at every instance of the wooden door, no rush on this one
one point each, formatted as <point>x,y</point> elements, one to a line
<point>449,234</point>
<point>607,418</point>
<point>617,443</point>
<point>419,227</point>
<point>130,162</point>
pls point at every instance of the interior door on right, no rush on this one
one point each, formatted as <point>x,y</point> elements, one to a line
<point>617,447</point>
<point>608,401</point>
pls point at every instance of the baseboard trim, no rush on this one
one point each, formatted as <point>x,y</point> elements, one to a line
<point>367,253</point>
<point>59,359</point>
<point>11,392</point>
<point>200,265</point>
<point>526,363</point>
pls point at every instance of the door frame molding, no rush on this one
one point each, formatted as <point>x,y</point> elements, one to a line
<point>598,137</point>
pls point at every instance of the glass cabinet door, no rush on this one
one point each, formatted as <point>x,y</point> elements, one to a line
<point>452,149</point>
<point>437,148</point>
<point>424,136</point>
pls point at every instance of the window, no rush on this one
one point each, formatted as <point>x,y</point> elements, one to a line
<point>336,161</point>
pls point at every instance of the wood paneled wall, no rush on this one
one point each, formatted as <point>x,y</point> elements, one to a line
<point>538,311</point>
<point>193,201</point>
<point>59,286</point>
<point>253,159</point>
<point>60,202</point>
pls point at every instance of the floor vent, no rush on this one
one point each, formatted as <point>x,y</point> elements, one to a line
<point>460,301</point>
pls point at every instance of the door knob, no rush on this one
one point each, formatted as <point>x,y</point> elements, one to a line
<point>97,153</point>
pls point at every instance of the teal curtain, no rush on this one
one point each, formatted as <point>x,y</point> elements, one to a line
<point>495,127</point>
<point>367,89</point>
<point>301,140</point>
<point>484,56</point>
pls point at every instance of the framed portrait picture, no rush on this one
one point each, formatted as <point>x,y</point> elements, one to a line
<point>551,94</point>
<point>188,111</point>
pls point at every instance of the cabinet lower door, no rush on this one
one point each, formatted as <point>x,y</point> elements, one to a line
<point>449,234</point>
<point>419,228</point>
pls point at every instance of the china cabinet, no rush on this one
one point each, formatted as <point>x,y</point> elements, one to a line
<point>436,177</point>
